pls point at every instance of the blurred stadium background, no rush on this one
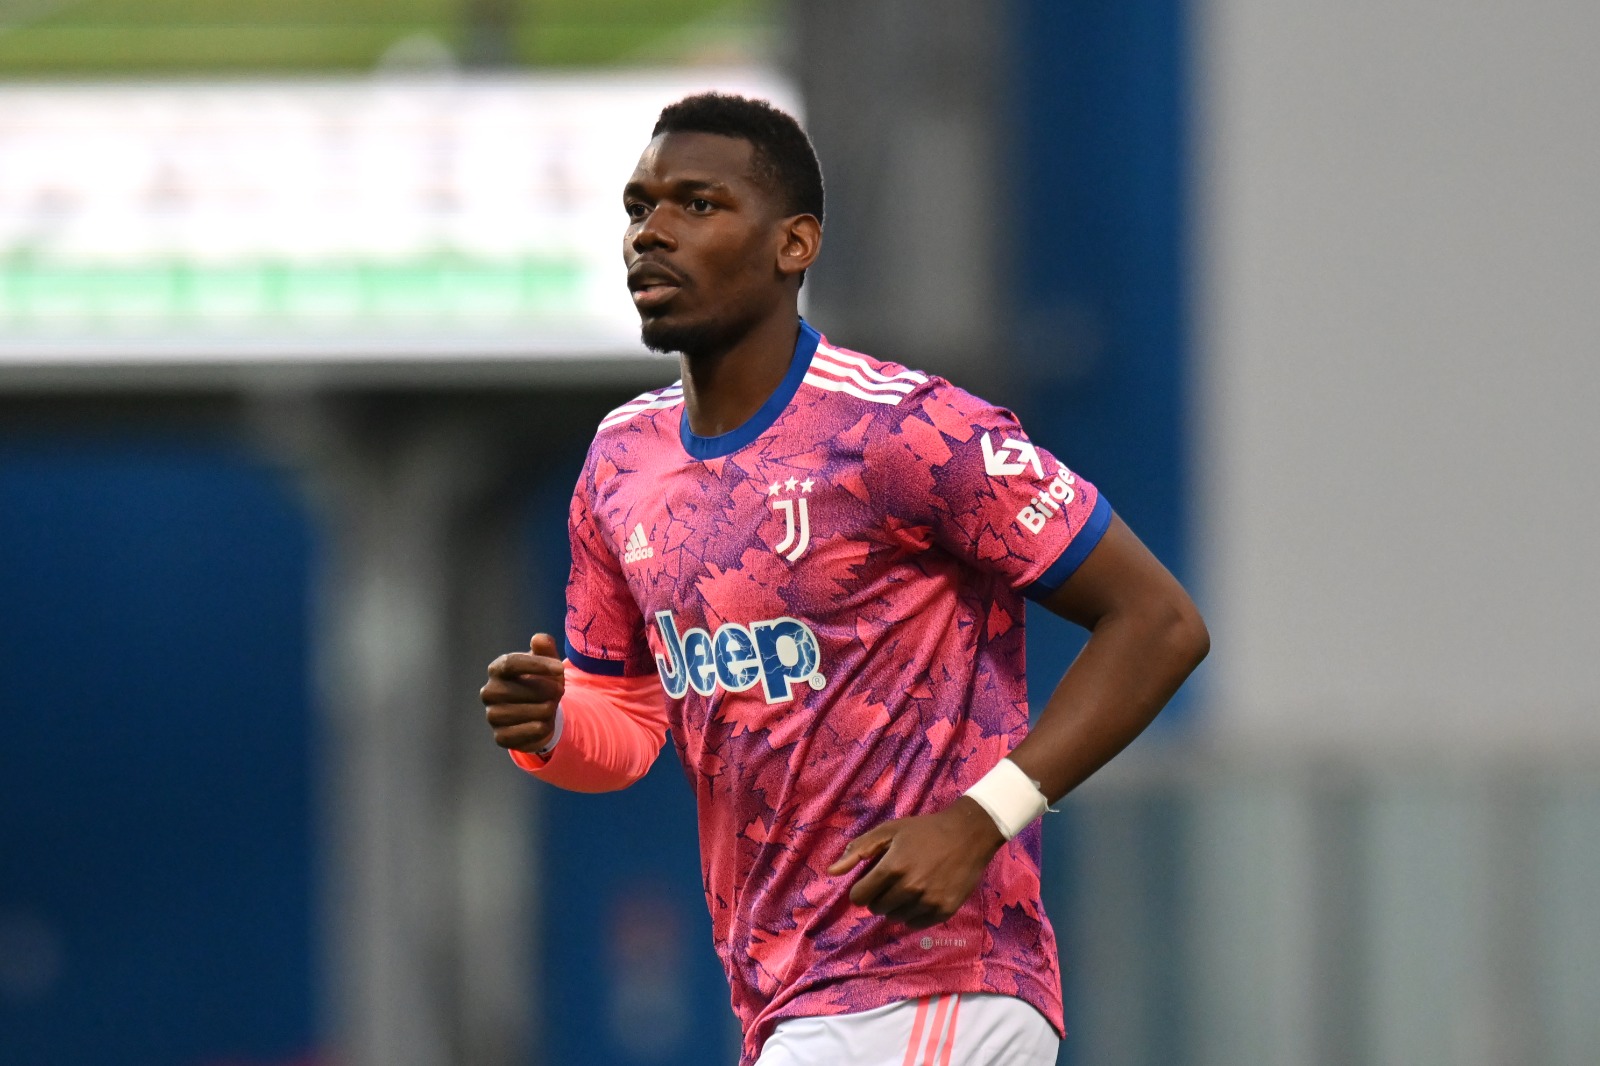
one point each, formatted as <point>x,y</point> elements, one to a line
<point>307,310</point>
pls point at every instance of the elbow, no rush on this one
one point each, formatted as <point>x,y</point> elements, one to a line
<point>617,761</point>
<point>598,783</point>
<point>613,729</point>
<point>1173,632</point>
<point>1187,634</point>
<point>577,775</point>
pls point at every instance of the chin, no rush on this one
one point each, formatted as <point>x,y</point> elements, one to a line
<point>666,336</point>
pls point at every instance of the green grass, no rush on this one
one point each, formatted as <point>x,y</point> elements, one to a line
<point>438,288</point>
<point>68,38</point>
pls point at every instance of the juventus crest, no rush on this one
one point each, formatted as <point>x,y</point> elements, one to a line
<point>789,498</point>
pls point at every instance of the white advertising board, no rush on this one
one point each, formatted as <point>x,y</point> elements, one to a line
<point>463,221</point>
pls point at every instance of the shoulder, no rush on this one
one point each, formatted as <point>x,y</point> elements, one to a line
<point>630,432</point>
<point>863,379</point>
<point>899,399</point>
<point>644,408</point>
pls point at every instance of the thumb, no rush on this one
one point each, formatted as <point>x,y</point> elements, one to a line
<point>544,644</point>
<point>868,845</point>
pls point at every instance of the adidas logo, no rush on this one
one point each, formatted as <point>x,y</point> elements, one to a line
<point>638,546</point>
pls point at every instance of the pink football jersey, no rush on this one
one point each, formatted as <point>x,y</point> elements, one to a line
<point>832,596</point>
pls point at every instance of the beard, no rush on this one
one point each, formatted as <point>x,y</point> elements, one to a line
<point>693,339</point>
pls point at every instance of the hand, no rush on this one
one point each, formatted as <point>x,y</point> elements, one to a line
<point>926,866</point>
<point>522,694</point>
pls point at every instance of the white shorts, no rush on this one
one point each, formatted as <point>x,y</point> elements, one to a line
<point>969,1029</point>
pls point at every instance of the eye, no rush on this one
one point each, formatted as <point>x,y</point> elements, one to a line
<point>699,206</point>
<point>636,210</point>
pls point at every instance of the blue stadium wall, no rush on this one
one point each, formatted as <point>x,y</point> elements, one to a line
<point>1100,239</point>
<point>1098,271</point>
<point>156,874</point>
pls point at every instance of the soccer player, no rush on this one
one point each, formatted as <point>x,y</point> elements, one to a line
<point>808,565</point>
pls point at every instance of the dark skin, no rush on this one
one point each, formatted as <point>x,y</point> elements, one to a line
<point>711,255</point>
<point>715,263</point>
<point>1145,638</point>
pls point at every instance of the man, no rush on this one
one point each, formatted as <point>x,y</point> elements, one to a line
<point>809,565</point>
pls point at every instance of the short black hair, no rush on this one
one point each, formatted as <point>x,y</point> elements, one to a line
<point>783,156</point>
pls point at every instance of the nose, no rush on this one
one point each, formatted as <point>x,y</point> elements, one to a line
<point>650,232</point>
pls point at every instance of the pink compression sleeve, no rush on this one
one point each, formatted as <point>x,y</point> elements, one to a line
<point>612,729</point>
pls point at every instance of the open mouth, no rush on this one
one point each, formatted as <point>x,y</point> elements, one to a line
<point>652,285</point>
<point>653,295</point>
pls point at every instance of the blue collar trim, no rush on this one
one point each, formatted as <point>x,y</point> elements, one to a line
<point>728,443</point>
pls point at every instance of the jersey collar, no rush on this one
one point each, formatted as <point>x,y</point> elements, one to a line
<point>728,443</point>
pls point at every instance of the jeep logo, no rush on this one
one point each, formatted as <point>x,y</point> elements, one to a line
<point>779,653</point>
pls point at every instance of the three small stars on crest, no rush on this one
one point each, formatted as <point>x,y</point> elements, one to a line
<point>805,486</point>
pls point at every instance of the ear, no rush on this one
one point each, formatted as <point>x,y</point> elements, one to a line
<point>800,241</point>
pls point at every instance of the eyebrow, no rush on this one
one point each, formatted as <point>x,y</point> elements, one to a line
<point>689,185</point>
<point>686,185</point>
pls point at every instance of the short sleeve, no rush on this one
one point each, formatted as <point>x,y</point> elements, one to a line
<point>605,631</point>
<point>959,473</point>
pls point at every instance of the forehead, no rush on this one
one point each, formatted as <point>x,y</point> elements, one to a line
<point>698,157</point>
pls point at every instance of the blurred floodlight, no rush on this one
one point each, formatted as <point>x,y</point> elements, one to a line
<point>398,219</point>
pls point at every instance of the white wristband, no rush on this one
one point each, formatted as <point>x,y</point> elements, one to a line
<point>1011,797</point>
<point>555,735</point>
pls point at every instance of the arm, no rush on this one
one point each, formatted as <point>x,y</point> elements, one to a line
<point>579,731</point>
<point>1145,638</point>
<point>593,728</point>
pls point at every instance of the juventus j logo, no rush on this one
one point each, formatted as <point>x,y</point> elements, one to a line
<point>796,516</point>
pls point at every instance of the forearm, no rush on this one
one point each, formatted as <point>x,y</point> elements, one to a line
<point>612,730</point>
<point>924,867</point>
<point>1132,664</point>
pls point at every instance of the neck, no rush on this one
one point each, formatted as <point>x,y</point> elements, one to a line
<point>723,388</point>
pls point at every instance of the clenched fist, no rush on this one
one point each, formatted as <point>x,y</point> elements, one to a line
<point>922,869</point>
<point>522,693</point>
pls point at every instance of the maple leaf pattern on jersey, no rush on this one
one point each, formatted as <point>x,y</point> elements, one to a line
<point>836,593</point>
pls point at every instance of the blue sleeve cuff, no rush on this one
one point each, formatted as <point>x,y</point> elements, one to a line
<point>589,664</point>
<point>1072,557</point>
